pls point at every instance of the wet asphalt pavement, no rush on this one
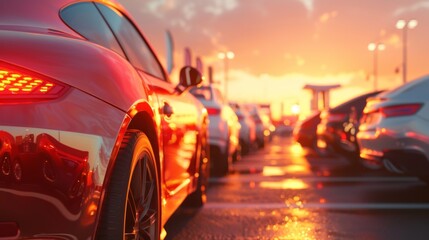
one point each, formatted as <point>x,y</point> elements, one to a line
<point>285,192</point>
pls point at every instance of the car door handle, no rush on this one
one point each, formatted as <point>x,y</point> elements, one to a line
<point>167,110</point>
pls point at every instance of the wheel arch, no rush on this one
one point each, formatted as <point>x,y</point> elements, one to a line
<point>144,119</point>
<point>203,132</point>
<point>144,122</point>
<point>140,117</point>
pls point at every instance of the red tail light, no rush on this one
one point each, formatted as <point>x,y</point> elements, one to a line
<point>213,111</point>
<point>18,84</point>
<point>401,110</point>
<point>343,135</point>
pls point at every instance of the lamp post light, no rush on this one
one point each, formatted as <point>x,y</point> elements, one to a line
<point>296,109</point>
<point>404,25</point>
<point>375,47</point>
<point>225,56</point>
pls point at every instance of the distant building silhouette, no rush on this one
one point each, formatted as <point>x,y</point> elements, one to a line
<point>320,92</point>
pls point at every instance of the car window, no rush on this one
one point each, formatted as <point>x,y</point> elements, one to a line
<point>358,102</point>
<point>218,95</point>
<point>345,108</point>
<point>85,19</point>
<point>136,49</point>
<point>201,93</point>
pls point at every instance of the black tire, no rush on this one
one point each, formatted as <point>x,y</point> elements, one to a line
<point>219,162</point>
<point>237,154</point>
<point>223,166</point>
<point>131,207</point>
<point>245,147</point>
<point>199,197</point>
<point>261,143</point>
<point>424,179</point>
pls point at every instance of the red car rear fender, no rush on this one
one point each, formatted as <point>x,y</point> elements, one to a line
<point>81,64</point>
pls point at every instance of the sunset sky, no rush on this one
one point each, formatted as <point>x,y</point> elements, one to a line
<point>281,45</point>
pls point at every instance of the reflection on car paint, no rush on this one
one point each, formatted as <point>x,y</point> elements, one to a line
<point>37,164</point>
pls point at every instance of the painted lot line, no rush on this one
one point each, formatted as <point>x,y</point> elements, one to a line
<point>316,205</point>
<point>321,206</point>
<point>259,178</point>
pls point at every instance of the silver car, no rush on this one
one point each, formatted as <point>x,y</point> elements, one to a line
<point>224,129</point>
<point>247,130</point>
<point>262,124</point>
<point>394,130</point>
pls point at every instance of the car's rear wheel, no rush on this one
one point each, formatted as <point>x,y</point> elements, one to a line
<point>424,179</point>
<point>245,147</point>
<point>261,143</point>
<point>219,162</point>
<point>131,209</point>
<point>237,154</point>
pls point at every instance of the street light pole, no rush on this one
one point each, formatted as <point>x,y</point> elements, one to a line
<point>226,56</point>
<point>404,25</point>
<point>375,47</point>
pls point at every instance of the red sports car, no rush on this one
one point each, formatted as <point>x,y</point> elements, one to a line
<point>95,140</point>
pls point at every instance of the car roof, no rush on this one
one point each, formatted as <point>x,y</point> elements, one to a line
<point>358,102</point>
<point>414,89</point>
<point>27,15</point>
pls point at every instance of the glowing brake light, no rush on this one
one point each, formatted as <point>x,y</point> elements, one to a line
<point>21,84</point>
<point>401,110</point>
<point>213,111</point>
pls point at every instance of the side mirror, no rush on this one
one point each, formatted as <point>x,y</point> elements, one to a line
<point>189,77</point>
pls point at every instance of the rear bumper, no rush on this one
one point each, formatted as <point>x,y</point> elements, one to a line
<point>305,140</point>
<point>330,141</point>
<point>53,162</point>
<point>409,162</point>
<point>372,159</point>
<point>399,151</point>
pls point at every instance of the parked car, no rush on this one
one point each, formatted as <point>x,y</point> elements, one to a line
<point>248,128</point>
<point>95,141</point>
<point>304,131</point>
<point>265,114</point>
<point>224,129</point>
<point>263,131</point>
<point>331,136</point>
<point>394,130</point>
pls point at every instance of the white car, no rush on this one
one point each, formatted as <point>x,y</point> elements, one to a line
<point>394,130</point>
<point>247,130</point>
<point>262,122</point>
<point>224,129</point>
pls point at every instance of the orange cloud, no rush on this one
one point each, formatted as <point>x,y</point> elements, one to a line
<point>327,16</point>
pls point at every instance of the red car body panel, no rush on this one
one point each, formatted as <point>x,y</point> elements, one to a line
<point>56,154</point>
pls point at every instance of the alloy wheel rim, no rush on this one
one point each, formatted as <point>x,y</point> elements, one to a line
<point>141,214</point>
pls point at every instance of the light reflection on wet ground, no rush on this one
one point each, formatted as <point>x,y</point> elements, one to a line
<point>285,184</point>
<point>285,223</point>
<point>297,224</point>
<point>284,192</point>
<point>282,171</point>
